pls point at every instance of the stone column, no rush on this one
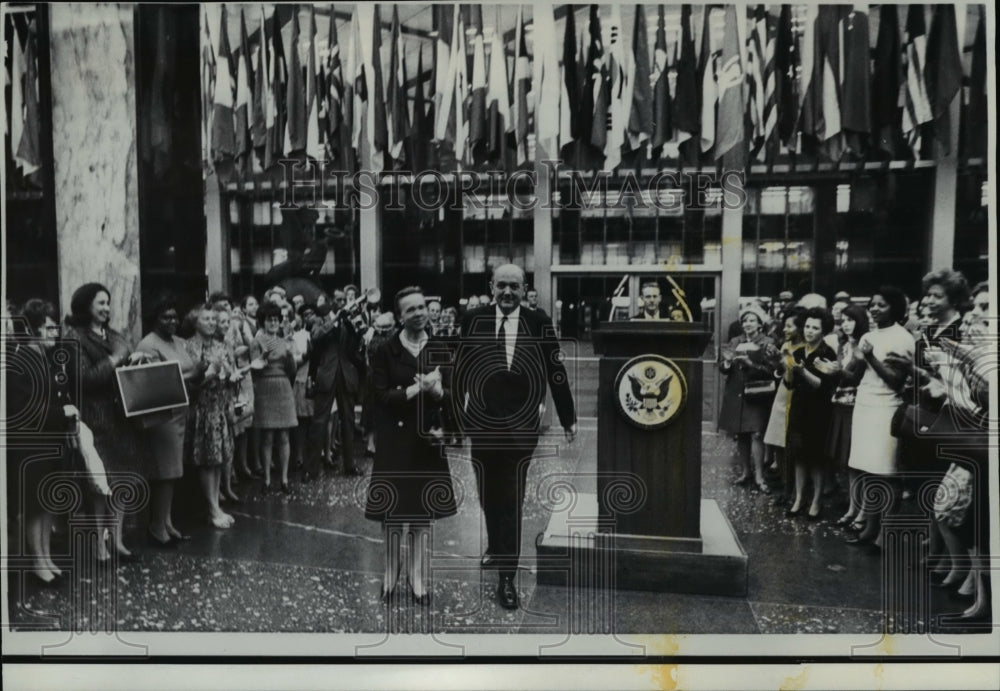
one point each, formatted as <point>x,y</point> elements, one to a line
<point>94,153</point>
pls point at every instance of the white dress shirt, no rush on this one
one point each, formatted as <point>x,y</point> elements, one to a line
<point>510,331</point>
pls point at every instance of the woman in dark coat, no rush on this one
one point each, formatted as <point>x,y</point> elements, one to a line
<point>103,350</point>
<point>410,483</point>
<point>40,414</point>
<point>748,361</point>
<point>812,380</point>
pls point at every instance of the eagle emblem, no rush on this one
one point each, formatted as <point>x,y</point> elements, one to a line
<point>650,391</point>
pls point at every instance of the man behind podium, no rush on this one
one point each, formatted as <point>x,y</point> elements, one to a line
<point>651,298</point>
<point>506,356</point>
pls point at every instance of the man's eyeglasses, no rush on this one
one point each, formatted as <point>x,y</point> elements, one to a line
<point>503,285</point>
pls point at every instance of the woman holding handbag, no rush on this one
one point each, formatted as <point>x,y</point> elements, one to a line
<point>748,361</point>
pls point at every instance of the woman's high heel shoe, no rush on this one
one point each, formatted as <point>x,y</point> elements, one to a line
<point>845,520</point>
<point>422,600</point>
<point>169,543</point>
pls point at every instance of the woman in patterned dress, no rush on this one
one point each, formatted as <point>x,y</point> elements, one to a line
<point>210,436</point>
<point>240,337</point>
<point>223,334</point>
<point>274,363</point>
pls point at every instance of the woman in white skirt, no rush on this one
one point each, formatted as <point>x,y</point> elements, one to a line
<point>873,448</point>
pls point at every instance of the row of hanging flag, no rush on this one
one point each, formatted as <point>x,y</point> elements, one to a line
<point>21,76</point>
<point>805,80</point>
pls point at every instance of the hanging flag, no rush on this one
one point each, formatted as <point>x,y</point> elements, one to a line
<point>444,70</point>
<point>522,85</point>
<point>598,88</point>
<point>17,70</point>
<point>295,95</point>
<point>242,110</point>
<point>821,107</point>
<point>460,91</point>
<point>687,94</point>
<point>975,124</point>
<point>808,107</point>
<point>223,135</point>
<point>499,102</point>
<point>662,126</point>
<point>943,70</point>
<point>477,108</point>
<point>314,146</point>
<point>916,106</point>
<point>258,127</point>
<point>419,136</point>
<point>334,94</point>
<point>886,82</point>
<point>709,88</point>
<point>359,85</point>
<point>856,79</point>
<point>620,72</point>
<point>761,82</point>
<point>786,62</point>
<point>28,153</point>
<point>571,76</point>
<point>549,82</point>
<point>380,131</point>
<point>640,122</point>
<point>730,128</point>
<point>396,107</point>
<point>207,87</point>
<point>348,150</point>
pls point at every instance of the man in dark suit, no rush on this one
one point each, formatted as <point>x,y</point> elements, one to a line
<point>532,303</point>
<point>334,372</point>
<point>651,299</point>
<point>505,359</point>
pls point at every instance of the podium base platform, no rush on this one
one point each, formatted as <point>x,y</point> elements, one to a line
<point>573,553</point>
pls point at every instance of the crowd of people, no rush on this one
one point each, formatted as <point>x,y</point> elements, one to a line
<point>272,387</point>
<point>860,398</point>
<point>851,401</point>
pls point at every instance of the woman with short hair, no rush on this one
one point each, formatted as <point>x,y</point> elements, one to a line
<point>210,436</point>
<point>748,362</point>
<point>274,362</point>
<point>166,440</point>
<point>811,380</point>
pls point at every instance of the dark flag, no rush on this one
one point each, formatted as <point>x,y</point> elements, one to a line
<point>975,125</point>
<point>296,92</point>
<point>398,124</point>
<point>662,125</point>
<point>258,128</point>
<point>570,151</point>
<point>708,89</point>
<point>886,82</point>
<point>522,85</point>
<point>943,71</point>
<point>730,140</point>
<point>598,89</point>
<point>420,133</point>
<point>687,95</point>
<point>334,93</point>
<point>916,106</point>
<point>640,122</point>
<point>855,109</point>
<point>499,103</point>
<point>786,60</point>
<point>380,134</point>
<point>477,110</point>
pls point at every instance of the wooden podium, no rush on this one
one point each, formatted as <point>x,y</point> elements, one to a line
<point>646,527</point>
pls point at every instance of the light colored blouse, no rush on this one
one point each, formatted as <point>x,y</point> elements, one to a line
<point>873,391</point>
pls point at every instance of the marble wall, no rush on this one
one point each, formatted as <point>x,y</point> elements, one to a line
<point>94,152</point>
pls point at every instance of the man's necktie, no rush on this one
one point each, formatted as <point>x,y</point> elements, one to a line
<point>501,333</point>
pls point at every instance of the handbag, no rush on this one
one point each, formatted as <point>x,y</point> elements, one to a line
<point>953,497</point>
<point>912,421</point>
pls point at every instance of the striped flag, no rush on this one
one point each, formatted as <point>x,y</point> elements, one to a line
<point>522,85</point>
<point>662,107</point>
<point>621,70</point>
<point>761,82</point>
<point>709,87</point>
<point>258,128</point>
<point>334,96</point>
<point>641,120</point>
<point>916,107</point>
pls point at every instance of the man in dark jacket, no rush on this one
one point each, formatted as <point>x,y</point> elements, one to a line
<point>506,357</point>
<point>334,371</point>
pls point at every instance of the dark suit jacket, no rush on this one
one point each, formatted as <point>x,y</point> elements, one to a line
<point>336,347</point>
<point>505,401</point>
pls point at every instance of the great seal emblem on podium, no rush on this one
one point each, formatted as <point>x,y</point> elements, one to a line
<point>650,391</point>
